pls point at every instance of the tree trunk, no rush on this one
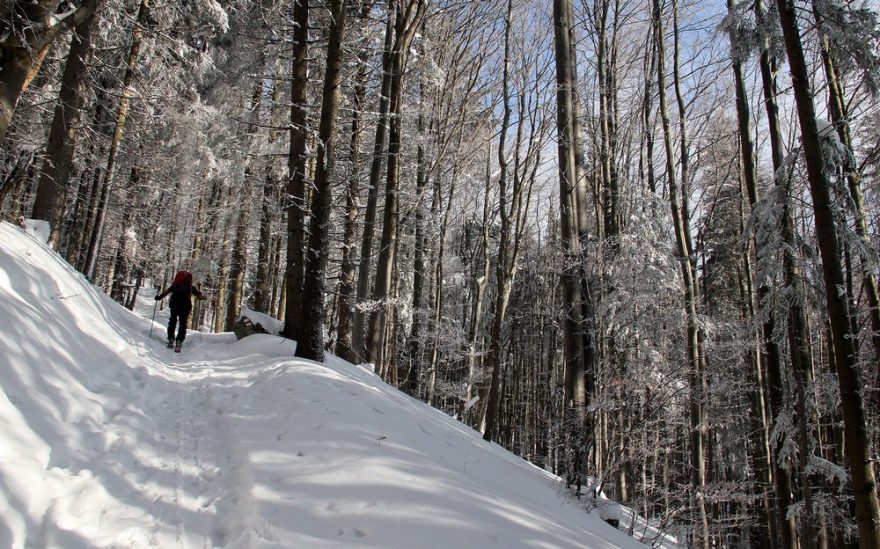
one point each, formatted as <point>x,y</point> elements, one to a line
<point>839,117</point>
<point>222,282</point>
<point>782,474</point>
<point>262,282</point>
<point>685,255</point>
<point>414,343</point>
<point>347,295</point>
<point>117,289</point>
<point>295,200</point>
<point>493,357</point>
<point>121,118</point>
<point>366,256</point>
<point>864,485</point>
<point>263,278</point>
<point>63,132</point>
<point>239,256</point>
<point>478,292</point>
<point>577,346</point>
<point>311,342</point>
<point>408,21</point>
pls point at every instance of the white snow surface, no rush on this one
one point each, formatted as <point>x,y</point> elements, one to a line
<point>109,439</point>
<point>39,229</point>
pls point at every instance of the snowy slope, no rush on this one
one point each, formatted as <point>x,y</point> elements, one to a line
<point>111,440</point>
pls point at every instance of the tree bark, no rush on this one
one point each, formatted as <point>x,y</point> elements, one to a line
<point>493,357</point>
<point>408,21</point>
<point>238,266</point>
<point>414,343</point>
<point>685,255</point>
<point>366,256</point>
<point>348,270</point>
<point>121,118</point>
<point>770,356</point>
<point>66,121</point>
<point>295,200</point>
<point>839,117</point>
<point>263,279</point>
<point>311,342</point>
<point>262,282</point>
<point>845,354</point>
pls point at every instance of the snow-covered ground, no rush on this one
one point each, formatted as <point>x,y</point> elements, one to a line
<point>109,439</point>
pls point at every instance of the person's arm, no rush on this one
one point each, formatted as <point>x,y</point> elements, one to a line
<point>163,294</point>
<point>198,294</point>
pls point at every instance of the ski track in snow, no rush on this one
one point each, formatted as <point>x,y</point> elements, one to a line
<point>112,440</point>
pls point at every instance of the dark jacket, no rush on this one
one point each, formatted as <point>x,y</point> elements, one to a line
<point>181,296</point>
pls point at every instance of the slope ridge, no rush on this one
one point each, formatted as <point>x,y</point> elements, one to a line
<point>111,440</point>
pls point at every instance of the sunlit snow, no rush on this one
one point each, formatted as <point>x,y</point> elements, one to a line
<point>111,440</point>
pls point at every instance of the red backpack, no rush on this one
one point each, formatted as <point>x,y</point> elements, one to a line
<point>182,278</point>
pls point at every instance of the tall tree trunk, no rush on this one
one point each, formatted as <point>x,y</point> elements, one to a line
<point>493,357</point>
<point>121,118</point>
<point>347,295</point>
<point>864,484</point>
<point>63,132</point>
<point>437,298</point>
<point>574,385</point>
<point>586,325</point>
<point>408,21</point>
<point>262,282</point>
<point>414,343</point>
<point>263,278</point>
<point>840,118</point>
<point>238,266</point>
<point>76,227</point>
<point>685,255</point>
<point>650,69</point>
<point>366,255</point>
<point>770,349</point>
<point>120,268</point>
<point>295,200</point>
<point>311,342</point>
<point>480,283</point>
<point>574,388</point>
<point>84,236</point>
<point>222,281</point>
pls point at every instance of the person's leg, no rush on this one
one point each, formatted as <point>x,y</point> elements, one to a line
<point>172,323</point>
<point>181,330</point>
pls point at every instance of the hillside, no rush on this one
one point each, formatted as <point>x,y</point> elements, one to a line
<point>111,440</point>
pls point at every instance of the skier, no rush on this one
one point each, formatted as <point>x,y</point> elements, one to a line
<point>181,291</point>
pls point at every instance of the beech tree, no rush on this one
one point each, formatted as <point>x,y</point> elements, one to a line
<point>845,355</point>
<point>674,307</point>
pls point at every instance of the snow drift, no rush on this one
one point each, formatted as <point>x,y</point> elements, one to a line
<point>111,440</point>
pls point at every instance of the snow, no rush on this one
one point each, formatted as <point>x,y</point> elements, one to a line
<point>38,228</point>
<point>111,440</point>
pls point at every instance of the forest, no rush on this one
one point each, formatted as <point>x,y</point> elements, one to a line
<point>633,241</point>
